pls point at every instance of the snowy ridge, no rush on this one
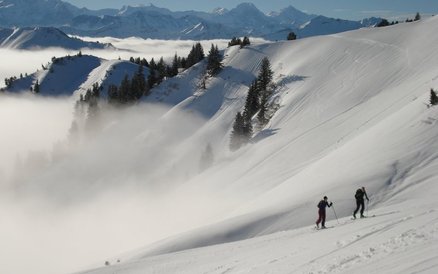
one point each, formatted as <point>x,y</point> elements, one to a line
<point>75,75</point>
<point>43,37</point>
<point>109,73</point>
<point>353,113</point>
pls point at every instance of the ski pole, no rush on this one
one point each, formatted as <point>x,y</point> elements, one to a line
<point>335,213</point>
<point>368,205</point>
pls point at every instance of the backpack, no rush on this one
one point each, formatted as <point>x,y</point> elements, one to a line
<point>320,204</point>
<point>359,194</point>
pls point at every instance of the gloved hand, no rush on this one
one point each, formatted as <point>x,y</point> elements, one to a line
<point>368,199</point>
<point>331,203</point>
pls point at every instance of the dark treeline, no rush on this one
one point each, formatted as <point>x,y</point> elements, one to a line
<point>130,90</point>
<point>385,22</point>
<point>158,71</point>
<point>241,42</point>
<point>256,104</point>
<point>9,81</point>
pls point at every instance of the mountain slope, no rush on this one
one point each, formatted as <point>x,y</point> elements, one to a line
<point>352,113</point>
<point>75,75</point>
<point>322,25</point>
<point>291,16</point>
<point>24,13</point>
<point>43,37</point>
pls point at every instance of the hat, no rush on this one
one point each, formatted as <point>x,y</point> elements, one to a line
<point>325,197</point>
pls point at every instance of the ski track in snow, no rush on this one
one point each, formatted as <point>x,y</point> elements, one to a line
<point>350,245</point>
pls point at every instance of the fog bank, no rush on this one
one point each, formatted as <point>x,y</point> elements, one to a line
<point>75,198</point>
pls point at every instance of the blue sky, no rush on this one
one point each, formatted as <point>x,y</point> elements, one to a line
<point>348,9</point>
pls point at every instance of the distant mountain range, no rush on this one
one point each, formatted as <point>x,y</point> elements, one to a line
<point>159,23</point>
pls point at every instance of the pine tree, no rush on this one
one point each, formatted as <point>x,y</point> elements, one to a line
<point>183,62</point>
<point>195,55</point>
<point>245,42</point>
<point>152,79</point>
<point>93,112</point>
<point>124,90</point>
<point>152,64</point>
<point>265,75</point>
<point>261,116</point>
<point>113,94</point>
<point>161,68</point>
<point>252,104</point>
<point>138,84</point>
<point>144,63</point>
<point>175,65</point>
<point>237,135</point>
<point>96,90</point>
<point>433,98</point>
<point>291,36</point>
<point>417,16</point>
<point>214,63</point>
<point>247,127</point>
<point>36,88</point>
<point>191,58</point>
<point>199,52</point>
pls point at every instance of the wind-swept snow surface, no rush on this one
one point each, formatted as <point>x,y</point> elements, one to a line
<point>353,112</point>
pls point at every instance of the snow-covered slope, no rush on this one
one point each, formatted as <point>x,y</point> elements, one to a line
<point>75,74</point>
<point>322,25</point>
<point>43,37</point>
<point>353,112</point>
<point>110,72</point>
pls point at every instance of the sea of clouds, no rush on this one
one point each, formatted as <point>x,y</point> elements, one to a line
<point>72,198</point>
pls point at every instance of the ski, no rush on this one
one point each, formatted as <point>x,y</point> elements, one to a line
<point>364,217</point>
<point>322,228</point>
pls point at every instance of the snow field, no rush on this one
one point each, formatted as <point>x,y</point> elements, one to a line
<point>353,113</point>
<point>390,238</point>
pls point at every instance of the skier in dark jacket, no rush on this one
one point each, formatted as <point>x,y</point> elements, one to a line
<point>321,212</point>
<point>360,201</point>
